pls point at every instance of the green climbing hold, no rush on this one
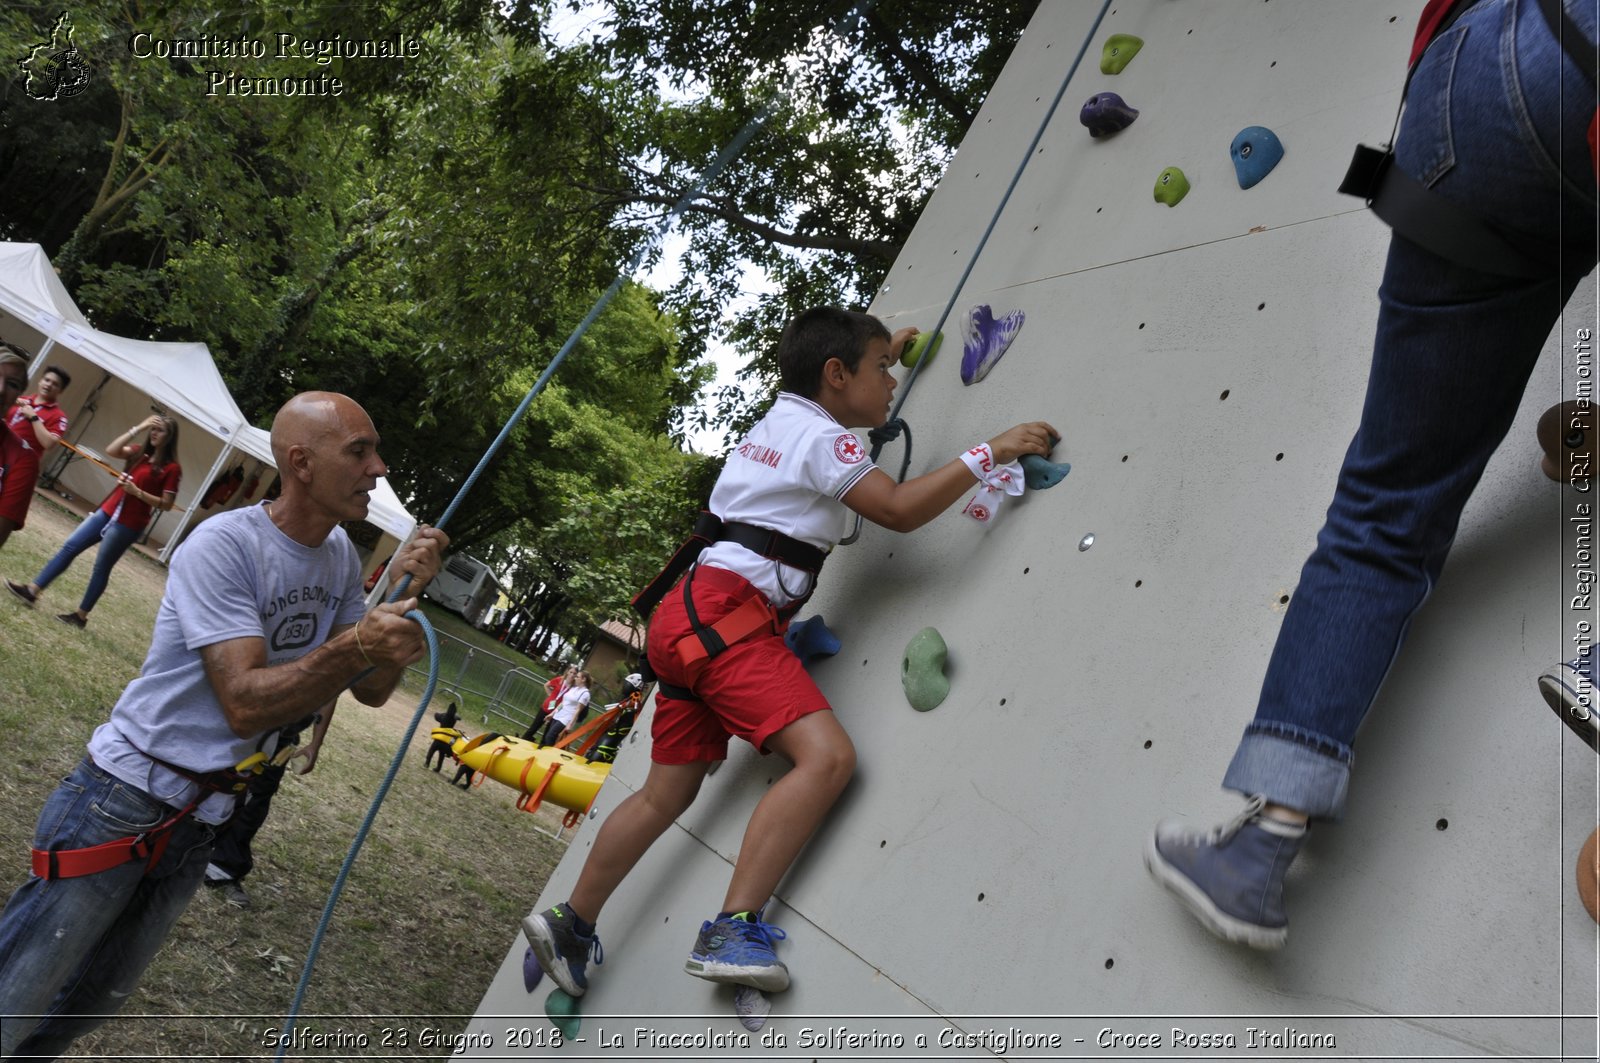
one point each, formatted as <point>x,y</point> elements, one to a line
<point>1171,186</point>
<point>922,670</point>
<point>1119,50</point>
<point>920,345</point>
<point>564,1012</point>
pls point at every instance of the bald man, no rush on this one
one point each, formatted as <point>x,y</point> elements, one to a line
<point>262,624</point>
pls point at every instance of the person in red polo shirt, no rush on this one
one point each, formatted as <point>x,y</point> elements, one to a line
<point>19,462</point>
<point>150,482</point>
<point>39,418</point>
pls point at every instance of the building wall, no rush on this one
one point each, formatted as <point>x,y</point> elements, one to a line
<point>1206,365</point>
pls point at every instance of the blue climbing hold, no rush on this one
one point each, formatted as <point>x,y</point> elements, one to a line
<point>985,340</point>
<point>1042,473</point>
<point>811,639</point>
<point>532,973</point>
<point>1106,113</point>
<point>1255,151</point>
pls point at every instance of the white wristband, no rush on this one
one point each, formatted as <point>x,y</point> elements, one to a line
<point>979,461</point>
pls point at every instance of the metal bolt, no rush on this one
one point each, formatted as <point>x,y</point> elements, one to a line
<point>1086,542</point>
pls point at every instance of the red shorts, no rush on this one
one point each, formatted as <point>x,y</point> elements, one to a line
<point>753,689</point>
<point>19,470</point>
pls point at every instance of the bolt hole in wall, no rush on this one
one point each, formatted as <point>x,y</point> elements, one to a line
<point>1261,306</point>
<point>980,896</point>
<point>1110,963</point>
<point>1279,457</point>
<point>1443,824</point>
<point>1224,396</point>
<point>863,662</point>
<point>883,843</point>
<point>1147,743</point>
<point>1138,583</point>
<point>1002,702</point>
<point>1283,599</point>
<point>1025,571</point>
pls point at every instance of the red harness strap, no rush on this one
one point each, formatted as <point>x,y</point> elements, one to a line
<point>70,863</point>
<point>751,616</point>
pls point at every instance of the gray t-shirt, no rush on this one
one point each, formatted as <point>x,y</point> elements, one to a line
<point>237,576</point>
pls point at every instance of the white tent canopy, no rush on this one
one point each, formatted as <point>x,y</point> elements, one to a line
<point>117,381</point>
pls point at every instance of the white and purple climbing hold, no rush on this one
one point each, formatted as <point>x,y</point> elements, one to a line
<point>985,339</point>
<point>532,973</point>
<point>752,1007</point>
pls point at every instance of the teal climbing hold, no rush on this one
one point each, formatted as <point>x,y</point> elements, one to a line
<point>1040,473</point>
<point>564,1012</point>
<point>922,670</point>
<point>1119,50</point>
<point>926,343</point>
<point>1255,151</point>
<point>1171,186</point>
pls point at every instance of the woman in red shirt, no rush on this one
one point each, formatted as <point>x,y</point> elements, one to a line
<point>149,482</point>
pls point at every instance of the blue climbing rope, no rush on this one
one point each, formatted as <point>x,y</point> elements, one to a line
<point>726,156</point>
<point>972,261</point>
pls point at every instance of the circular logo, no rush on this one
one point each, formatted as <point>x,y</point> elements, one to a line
<point>847,448</point>
<point>979,513</point>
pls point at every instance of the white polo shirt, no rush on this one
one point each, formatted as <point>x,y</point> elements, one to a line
<point>788,475</point>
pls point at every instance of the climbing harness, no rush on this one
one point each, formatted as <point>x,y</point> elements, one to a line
<point>148,844</point>
<point>1444,227</point>
<point>710,528</point>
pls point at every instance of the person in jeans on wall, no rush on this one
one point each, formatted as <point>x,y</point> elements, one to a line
<point>1497,123</point>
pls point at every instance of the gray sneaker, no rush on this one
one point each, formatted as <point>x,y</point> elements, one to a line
<point>1231,877</point>
<point>1569,689</point>
<point>562,951</point>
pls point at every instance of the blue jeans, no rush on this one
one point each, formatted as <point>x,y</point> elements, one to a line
<point>114,540</point>
<point>1454,350</point>
<point>73,949</point>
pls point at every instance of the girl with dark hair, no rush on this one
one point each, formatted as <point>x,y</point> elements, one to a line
<point>149,482</point>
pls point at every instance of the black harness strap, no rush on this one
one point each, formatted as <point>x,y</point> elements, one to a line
<point>709,529</point>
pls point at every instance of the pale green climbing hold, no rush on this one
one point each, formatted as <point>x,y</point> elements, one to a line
<point>1119,50</point>
<point>921,345</point>
<point>1171,186</point>
<point>564,1012</point>
<point>922,670</point>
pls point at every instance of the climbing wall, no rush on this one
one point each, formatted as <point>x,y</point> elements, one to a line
<point>980,885</point>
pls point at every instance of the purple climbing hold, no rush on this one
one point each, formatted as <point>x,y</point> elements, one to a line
<point>1106,113</point>
<point>531,971</point>
<point>811,639</point>
<point>985,339</point>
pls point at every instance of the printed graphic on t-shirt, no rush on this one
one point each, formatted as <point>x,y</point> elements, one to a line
<point>847,448</point>
<point>294,632</point>
<point>293,617</point>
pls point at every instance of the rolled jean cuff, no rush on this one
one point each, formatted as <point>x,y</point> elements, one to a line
<point>1290,773</point>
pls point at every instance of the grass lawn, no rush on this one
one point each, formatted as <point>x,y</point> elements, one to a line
<point>428,910</point>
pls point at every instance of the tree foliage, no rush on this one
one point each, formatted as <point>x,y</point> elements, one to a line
<point>428,239</point>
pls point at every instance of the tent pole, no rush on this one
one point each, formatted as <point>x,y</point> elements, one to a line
<point>229,445</point>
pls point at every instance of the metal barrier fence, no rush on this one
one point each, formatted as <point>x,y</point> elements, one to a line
<point>504,693</point>
<point>484,684</point>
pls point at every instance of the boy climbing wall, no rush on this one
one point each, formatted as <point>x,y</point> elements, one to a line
<point>716,643</point>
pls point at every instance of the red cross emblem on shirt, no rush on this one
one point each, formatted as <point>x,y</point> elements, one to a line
<point>847,449</point>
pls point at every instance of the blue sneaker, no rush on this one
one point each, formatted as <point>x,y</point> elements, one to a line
<point>1230,877</point>
<point>738,950</point>
<point>563,953</point>
<point>1568,688</point>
